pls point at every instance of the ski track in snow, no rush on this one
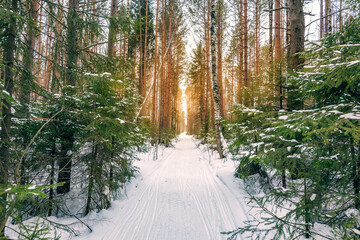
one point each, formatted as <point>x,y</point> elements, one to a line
<point>180,199</point>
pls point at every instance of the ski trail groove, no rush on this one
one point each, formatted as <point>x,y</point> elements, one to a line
<point>181,198</point>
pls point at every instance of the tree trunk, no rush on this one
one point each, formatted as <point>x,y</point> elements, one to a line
<point>327,17</point>
<point>219,56</point>
<point>306,211</point>
<point>340,16</point>
<point>356,182</point>
<point>297,32</point>
<point>169,72</point>
<point>141,83</point>
<point>65,162</point>
<point>297,39</point>
<point>9,51</point>
<point>321,18</point>
<point>211,114</point>
<point>145,53</point>
<point>92,172</point>
<point>215,84</point>
<point>278,52</point>
<point>52,175</point>
<point>162,77</point>
<point>45,79</point>
<point>155,88</point>
<point>26,80</point>
<point>112,33</point>
<point>241,54</point>
<point>246,73</point>
<point>271,47</point>
<point>257,38</point>
<point>55,79</point>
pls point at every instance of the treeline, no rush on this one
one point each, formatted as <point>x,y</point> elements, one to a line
<point>83,84</point>
<point>289,109</point>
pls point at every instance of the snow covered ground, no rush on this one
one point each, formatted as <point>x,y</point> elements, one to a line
<point>182,195</point>
<point>187,194</point>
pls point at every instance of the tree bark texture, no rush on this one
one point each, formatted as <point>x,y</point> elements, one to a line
<point>26,80</point>
<point>297,32</point>
<point>278,53</point>
<point>215,84</point>
<point>155,88</point>
<point>219,55</point>
<point>112,29</point>
<point>65,162</point>
<point>9,60</point>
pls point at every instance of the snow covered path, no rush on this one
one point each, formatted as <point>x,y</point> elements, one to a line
<point>176,197</point>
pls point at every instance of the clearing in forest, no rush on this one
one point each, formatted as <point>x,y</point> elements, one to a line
<point>180,196</point>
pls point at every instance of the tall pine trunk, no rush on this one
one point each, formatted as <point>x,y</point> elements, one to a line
<point>278,53</point>
<point>112,28</point>
<point>215,84</point>
<point>141,79</point>
<point>219,56</point>
<point>65,163</point>
<point>321,18</point>
<point>26,80</point>
<point>9,51</point>
<point>257,38</point>
<point>241,54</point>
<point>155,88</point>
<point>168,73</point>
<point>328,18</point>
<point>162,76</point>
<point>92,172</point>
<point>247,99</point>
<point>297,40</point>
<point>271,46</point>
<point>145,52</point>
<point>211,114</point>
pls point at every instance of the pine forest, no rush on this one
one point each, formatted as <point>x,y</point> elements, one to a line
<point>179,119</point>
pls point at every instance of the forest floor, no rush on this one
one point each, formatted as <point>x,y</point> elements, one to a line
<point>186,194</point>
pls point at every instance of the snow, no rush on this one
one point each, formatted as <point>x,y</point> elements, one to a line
<point>186,194</point>
<point>356,231</point>
<point>313,196</point>
<point>335,112</point>
<point>257,144</point>
<point>120,120</point>
<point>351,116</point>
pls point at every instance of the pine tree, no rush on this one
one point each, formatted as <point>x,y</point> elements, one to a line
<point>6,123</point>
